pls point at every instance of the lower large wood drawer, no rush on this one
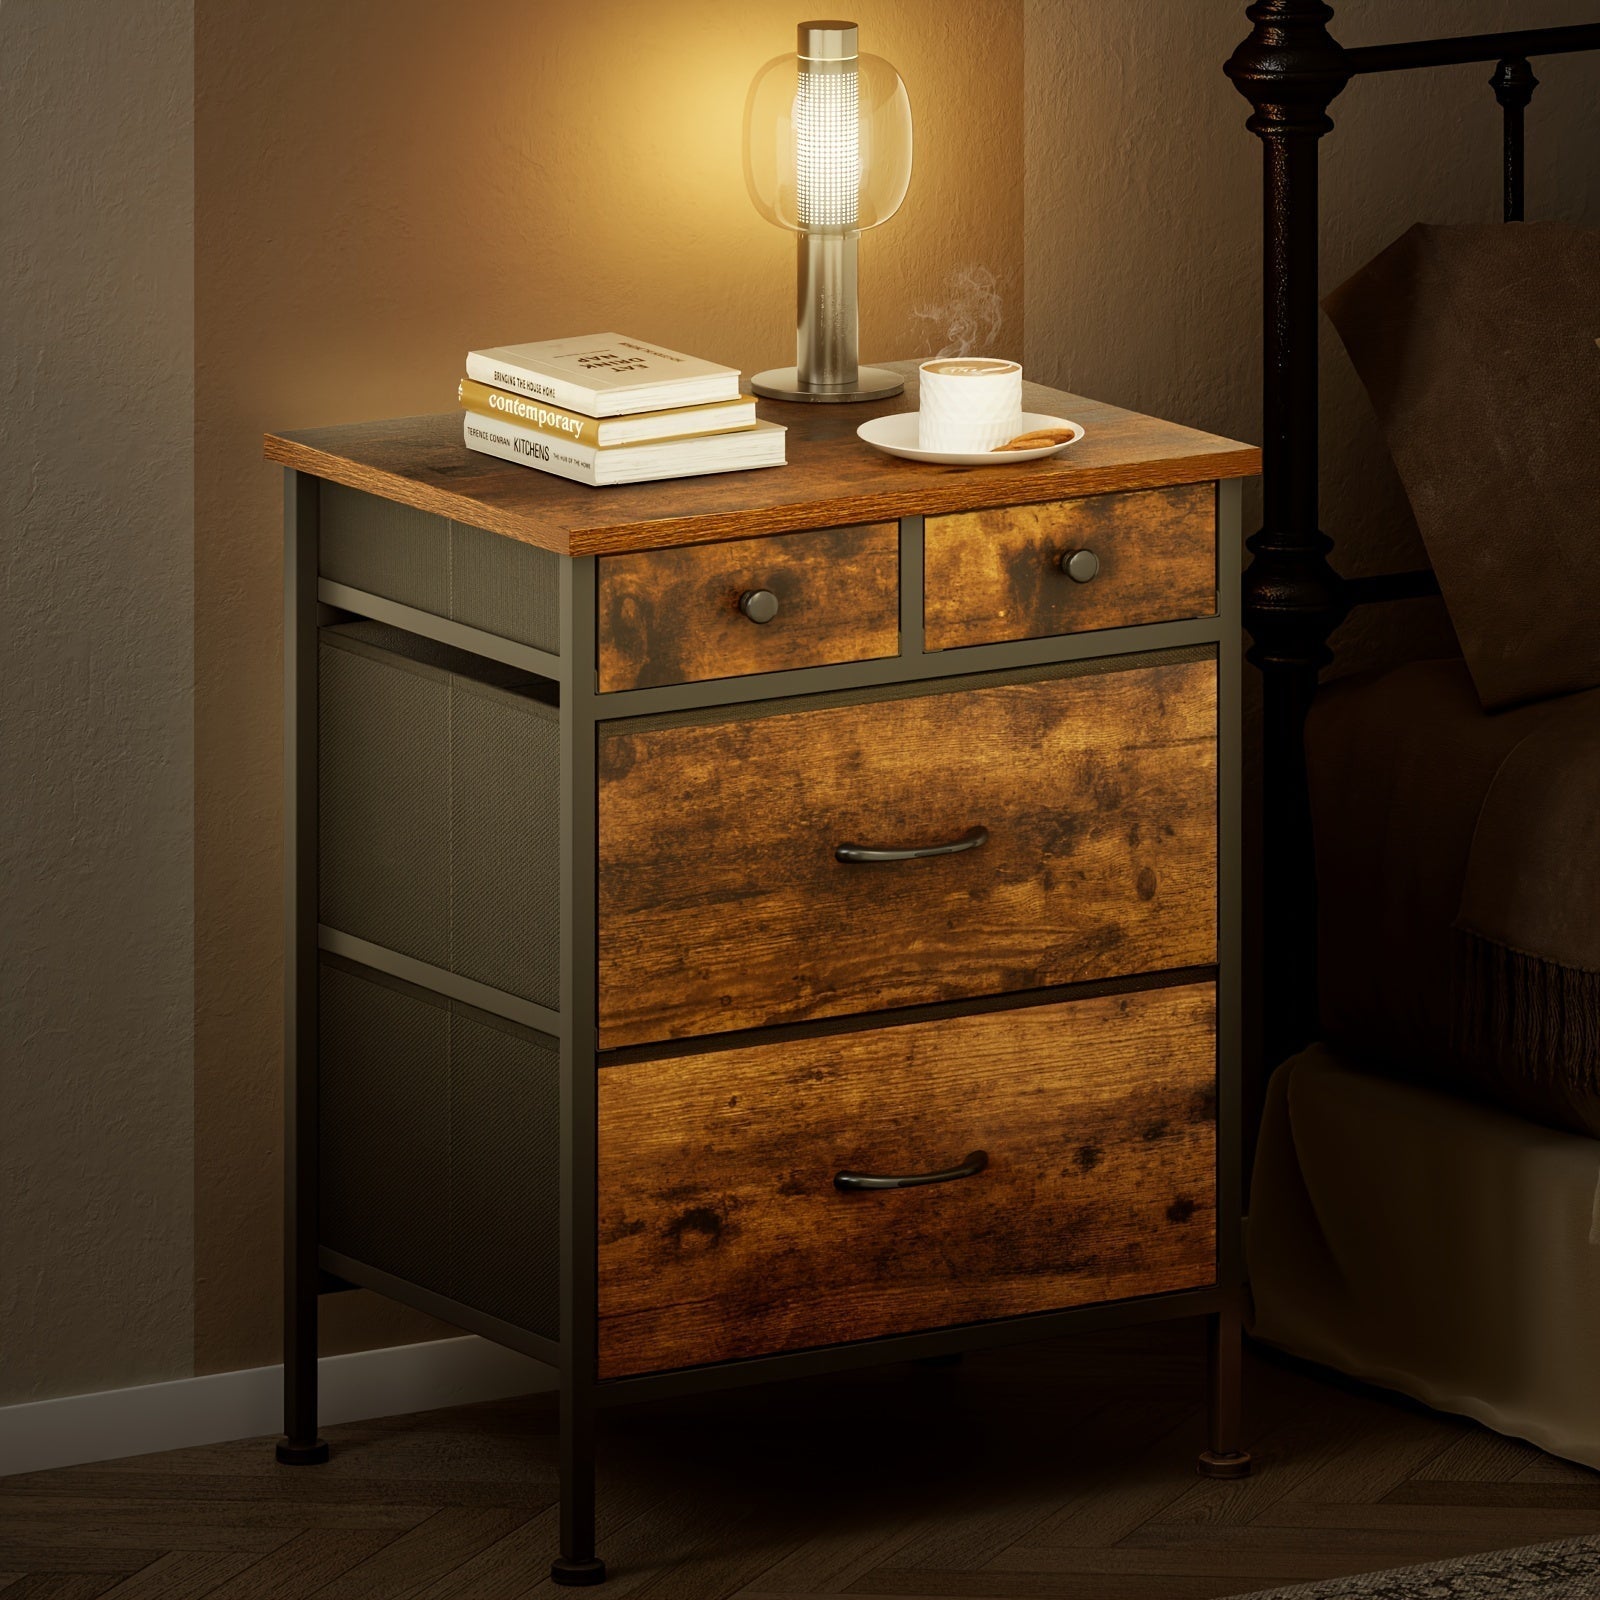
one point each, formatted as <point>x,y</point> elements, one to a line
<point>723,1235</point>
<point>724,904</point>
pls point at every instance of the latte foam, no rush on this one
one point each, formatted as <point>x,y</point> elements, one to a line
<point>978,367</point>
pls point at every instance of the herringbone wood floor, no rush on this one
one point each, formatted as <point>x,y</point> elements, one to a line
<point>1065,1469</point>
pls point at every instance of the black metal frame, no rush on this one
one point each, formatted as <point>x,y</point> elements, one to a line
<point>311,602</point>
<point>1291,69</point>
<point>300,1445</point>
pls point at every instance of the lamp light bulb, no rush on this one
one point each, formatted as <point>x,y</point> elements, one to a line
<point>827,131</point>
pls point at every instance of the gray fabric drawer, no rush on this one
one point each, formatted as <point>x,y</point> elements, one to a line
<point>440,1159</point>
<point>450,569</point>
<point>439,819</point>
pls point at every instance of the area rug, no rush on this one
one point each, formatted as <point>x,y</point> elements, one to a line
<point>1569,1570</point>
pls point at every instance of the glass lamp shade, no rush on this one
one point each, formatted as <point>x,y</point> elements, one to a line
<point>827,153</point>
<point>827,143</point>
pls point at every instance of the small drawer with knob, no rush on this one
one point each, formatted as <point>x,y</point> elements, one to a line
<point>702,611</point>
<point>1070,566</point>
<point>811,1191</point>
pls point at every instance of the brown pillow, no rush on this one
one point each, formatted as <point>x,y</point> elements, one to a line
<point>1478,346</point>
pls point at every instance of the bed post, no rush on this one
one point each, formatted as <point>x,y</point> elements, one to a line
<point>1513,83</point>
<point>1289,69</point>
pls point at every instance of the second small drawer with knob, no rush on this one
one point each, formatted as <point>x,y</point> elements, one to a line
<point>695,612</point>
<point>1071,566</point>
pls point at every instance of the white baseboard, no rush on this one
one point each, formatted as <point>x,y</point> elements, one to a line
<point>240,1405</point>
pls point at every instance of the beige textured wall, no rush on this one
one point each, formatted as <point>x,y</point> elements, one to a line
<point>1144,226</point>
<point>380,187</point>
<point>96,422</point>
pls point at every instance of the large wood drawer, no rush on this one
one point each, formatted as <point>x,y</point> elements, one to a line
<point>1009,573</point>
<point>723,1234</point>
<point>672,616</point>
<point>723,904</point>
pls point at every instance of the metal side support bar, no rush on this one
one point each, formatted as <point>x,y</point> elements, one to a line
<point>577,1563</point>
<point>300,1445</point>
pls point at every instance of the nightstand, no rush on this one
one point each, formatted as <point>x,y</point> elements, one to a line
<point>748,925</point>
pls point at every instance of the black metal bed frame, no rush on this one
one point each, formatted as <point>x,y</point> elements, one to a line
<point>1291,69</point>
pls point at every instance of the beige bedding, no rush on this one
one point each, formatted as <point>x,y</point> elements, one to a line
<point>1431,1245</point>
<point>1458,870</point>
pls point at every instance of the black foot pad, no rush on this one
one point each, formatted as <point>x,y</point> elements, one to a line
<point>302,1455</point>
<point>1235,1464</point>
<point>577,1574</point>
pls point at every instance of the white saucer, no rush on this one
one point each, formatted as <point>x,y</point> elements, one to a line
<point>896,435</point>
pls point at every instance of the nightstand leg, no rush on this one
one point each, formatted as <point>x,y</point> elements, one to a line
<point>577,1565</point>
<point>1224,1362</point>
<point>300,1446</point>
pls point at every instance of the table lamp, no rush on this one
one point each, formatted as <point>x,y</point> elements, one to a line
<point>827,153</point>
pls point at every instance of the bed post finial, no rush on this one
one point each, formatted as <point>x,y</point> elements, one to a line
<point>1290,69</point>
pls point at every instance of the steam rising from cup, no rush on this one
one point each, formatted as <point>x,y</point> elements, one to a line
<point>971,315</point>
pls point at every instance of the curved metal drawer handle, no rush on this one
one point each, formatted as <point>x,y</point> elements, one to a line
<point>853,1182</point>
<point>970,840</point>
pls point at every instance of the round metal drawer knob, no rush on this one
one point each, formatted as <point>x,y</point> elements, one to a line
<point>1080,565</point>
<point>760,605</point>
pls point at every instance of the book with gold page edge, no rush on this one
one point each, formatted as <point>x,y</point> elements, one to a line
<point>723,416</point>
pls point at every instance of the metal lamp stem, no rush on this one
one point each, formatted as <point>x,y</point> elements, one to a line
<point>827,329</point>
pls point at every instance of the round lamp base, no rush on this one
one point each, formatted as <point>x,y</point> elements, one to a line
<point>872,383</point>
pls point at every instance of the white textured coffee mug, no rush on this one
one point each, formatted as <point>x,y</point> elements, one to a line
<point>968,403</point>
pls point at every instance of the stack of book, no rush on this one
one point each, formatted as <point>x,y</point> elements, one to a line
<point>607,409</point>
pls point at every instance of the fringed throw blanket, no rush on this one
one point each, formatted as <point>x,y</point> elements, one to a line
<point>1527,978</point>
<point>1458,866</point>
